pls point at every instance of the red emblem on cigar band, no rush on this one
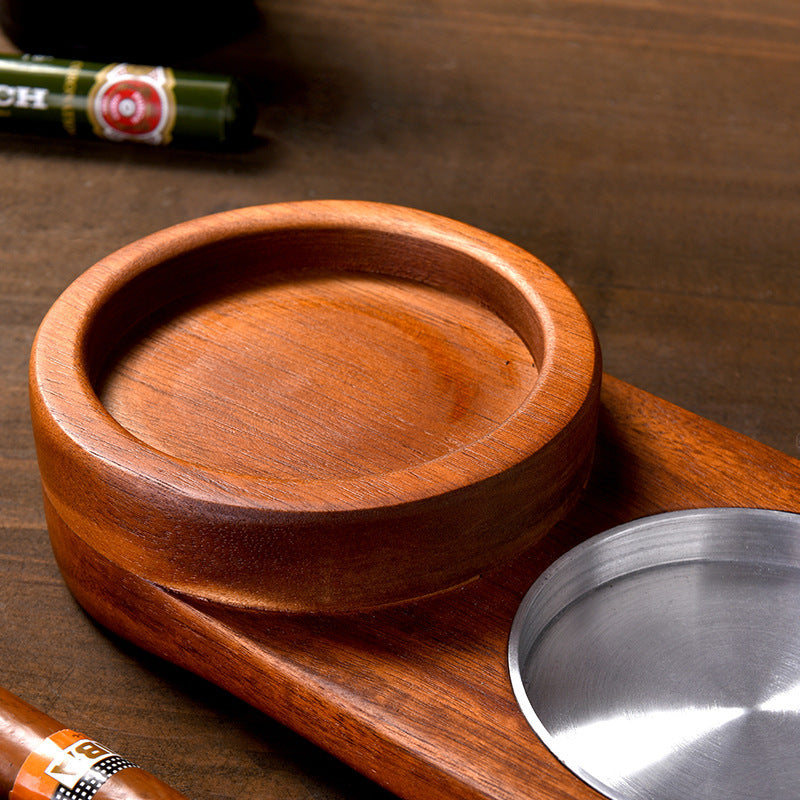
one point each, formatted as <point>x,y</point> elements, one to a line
<point>133,103</point>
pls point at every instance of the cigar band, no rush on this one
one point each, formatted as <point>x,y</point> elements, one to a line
<point>133,103</point>
<point>66,766</point>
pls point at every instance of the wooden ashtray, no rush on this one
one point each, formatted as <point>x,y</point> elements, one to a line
<point>323,406</point>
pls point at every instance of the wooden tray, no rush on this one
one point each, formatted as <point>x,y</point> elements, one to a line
<point>254,563</point>
<point>418,697</point>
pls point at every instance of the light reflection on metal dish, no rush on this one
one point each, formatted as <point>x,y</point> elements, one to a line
<point>661,659</point>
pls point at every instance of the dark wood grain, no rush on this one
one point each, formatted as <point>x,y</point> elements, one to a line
<point>648,153</point>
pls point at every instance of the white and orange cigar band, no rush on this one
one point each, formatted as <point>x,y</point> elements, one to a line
<point>66,766</point>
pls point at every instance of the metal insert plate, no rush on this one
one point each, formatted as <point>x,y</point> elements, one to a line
<point>661,659</point>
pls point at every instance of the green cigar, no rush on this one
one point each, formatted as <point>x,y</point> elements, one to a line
<point>123,102</point>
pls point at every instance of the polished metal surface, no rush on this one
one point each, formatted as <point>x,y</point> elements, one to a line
<point>661,659</point>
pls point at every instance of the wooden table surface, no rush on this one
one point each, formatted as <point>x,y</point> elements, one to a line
<point>647,152</point>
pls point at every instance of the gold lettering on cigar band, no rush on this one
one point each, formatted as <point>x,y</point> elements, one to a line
<point>68,118</point>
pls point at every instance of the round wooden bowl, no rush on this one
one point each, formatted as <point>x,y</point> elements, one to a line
<point>321,406</point>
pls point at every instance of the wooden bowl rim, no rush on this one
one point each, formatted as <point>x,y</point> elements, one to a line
<point>566,376</point>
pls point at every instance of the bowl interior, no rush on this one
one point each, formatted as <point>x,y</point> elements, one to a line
<point>312,355</point>
<point>664,655</point>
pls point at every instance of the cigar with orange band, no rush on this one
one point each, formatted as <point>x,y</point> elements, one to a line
<point>40,759</point>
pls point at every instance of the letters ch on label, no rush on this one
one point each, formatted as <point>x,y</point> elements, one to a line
<point>23,97</point>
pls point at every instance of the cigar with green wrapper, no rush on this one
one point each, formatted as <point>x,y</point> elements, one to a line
<point>123,102</point>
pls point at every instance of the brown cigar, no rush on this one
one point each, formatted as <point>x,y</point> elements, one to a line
<point>41,759</point>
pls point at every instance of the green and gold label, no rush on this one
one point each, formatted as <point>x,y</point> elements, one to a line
<point>121,102</point>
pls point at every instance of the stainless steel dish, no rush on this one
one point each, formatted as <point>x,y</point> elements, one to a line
<point>661,659</point>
